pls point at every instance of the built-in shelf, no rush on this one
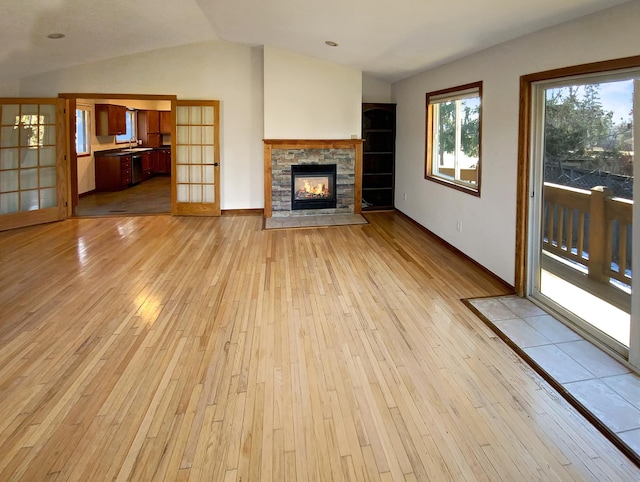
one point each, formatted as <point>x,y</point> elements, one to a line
<point>378,166</point>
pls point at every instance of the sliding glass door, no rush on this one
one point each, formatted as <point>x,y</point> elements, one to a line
<point>581,206</point>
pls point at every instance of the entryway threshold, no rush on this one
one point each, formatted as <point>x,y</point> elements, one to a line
<point>603,390</point>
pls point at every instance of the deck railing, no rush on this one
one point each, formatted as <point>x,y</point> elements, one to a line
<point>592,230</point>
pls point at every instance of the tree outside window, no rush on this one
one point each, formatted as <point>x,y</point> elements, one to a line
<point>588,135</point>
<point>453,137</point>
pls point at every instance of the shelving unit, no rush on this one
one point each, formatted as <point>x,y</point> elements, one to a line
<point>378,167</point>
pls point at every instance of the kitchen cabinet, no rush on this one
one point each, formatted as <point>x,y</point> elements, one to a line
<point>164,161</point>
<point>111,120</point>
<point>147,165</point>
<point>113,173</point>
<point>149,128</point>
<point>155,159</point>
<point>378,156</point>
<point>165,122</point>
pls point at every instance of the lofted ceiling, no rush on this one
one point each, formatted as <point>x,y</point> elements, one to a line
<point>387,39</point>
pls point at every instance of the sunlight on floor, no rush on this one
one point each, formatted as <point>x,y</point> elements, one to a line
<point>597,312</point>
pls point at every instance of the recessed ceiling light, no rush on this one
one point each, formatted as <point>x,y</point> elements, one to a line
<point>55,36</point>
<point>331,43</point>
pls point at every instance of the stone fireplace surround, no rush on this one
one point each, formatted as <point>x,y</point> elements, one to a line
<point>281,154</point>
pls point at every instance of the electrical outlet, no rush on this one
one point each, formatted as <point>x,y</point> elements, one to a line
<point>459,226</point>
<point>405,196</point>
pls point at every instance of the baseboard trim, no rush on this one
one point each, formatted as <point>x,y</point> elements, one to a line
<point>93,191</point>
<point>451,247</point>
<point>243,212</point>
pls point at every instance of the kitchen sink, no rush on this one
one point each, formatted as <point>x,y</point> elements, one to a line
<point>137,149</point>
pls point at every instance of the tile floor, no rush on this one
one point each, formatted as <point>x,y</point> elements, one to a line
<point>605,387</point>
<point>314,220</point>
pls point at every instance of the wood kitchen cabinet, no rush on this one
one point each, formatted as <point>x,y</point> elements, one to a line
<point>149,128</point>
<point>154,159</point>
<point>111,120</point>
<point>147,165</point>
<point>164,161</point>
<point>165,122</point>
<point>113,173</point>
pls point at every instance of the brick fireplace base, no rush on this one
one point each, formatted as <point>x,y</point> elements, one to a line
<point>280,155</point>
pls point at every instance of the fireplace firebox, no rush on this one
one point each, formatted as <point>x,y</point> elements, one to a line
<point>313,186</point>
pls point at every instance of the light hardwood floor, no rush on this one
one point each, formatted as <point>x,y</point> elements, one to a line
<point>173,348</point>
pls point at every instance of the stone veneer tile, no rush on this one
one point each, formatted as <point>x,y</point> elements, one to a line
<point>283,159</point>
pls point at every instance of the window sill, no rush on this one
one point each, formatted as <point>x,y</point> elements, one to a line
<point>462,187</point>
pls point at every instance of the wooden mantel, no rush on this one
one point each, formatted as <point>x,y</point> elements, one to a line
<point>270,144</point>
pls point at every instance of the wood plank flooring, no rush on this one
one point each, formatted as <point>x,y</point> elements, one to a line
<point>173,348</point>
<point>152,196</point>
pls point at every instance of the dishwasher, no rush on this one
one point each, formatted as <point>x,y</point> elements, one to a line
<point>136,169</point>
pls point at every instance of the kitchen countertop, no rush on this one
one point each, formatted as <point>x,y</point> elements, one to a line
<point>125,151</point>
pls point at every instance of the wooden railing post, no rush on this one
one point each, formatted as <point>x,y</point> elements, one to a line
<point>597,235</point>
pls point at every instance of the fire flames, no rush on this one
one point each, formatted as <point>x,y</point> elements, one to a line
<point>320,190</point>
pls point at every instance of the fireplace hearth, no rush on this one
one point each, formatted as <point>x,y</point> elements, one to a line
<point>313,186</point>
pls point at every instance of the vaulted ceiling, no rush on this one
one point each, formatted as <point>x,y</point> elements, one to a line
<point>388,39</point>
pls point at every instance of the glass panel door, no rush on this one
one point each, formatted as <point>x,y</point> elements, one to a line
<point>197,154</point>
<point>31,162</point>
<point>581,219</point>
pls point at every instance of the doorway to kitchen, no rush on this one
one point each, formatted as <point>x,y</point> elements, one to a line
<point>120,151</point>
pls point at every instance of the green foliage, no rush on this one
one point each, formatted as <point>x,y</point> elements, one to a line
<point>469,129</point>
<point>446,128</point>
<point>578,127</point>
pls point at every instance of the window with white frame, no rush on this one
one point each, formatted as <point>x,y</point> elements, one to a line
<point>454,119</point>
<point>83,140</point>
<point>131,133</point>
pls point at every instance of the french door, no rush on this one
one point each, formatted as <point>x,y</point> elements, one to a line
<point>33,171</point>
<point>581,206</point>
<point>196,183</point>
<point>32,166</point>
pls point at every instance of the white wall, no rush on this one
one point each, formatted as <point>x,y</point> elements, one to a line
<point>488,223</point>
<point>307,98</point>
<point>10,89</point>
<point>231,73</point>
<point>375,91</point>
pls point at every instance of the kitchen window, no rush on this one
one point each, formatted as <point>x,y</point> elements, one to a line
<point>83,140</point>
<point>453,137</point>
<point>131,128</point>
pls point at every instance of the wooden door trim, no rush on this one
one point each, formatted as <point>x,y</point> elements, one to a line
<point>72,98</point>
<point>72,163</point>
<point>524,151</point>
